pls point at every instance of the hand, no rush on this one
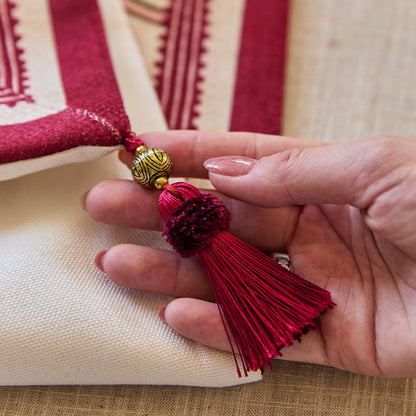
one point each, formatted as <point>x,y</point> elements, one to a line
<point>345,213</point>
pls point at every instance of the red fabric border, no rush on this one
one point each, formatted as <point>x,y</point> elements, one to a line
<point>58,132</point>
<point>258,94</point>
<point>95,114</point>
<point>86,67</point>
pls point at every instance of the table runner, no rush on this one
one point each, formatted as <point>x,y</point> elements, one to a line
<point>63,103</point>
<point>332,93</point>
<point>78,76</point>
<point>216,65</point>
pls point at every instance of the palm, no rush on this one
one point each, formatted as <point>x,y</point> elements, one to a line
<point>370,329</point>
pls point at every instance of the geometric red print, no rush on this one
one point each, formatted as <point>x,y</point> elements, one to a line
<point>12,78</point>
<point>94,104</point>
<point>179,68</point>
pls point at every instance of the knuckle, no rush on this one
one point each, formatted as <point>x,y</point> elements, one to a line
<point>281,170</point>
<point>283,164</point>
<point>105,200</point>
<point>379,148</point>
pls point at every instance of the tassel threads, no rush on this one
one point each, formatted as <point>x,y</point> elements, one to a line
<point>264,307</point>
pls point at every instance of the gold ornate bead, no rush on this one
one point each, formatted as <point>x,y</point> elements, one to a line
<point>151,167</point>
<point>139,150</point>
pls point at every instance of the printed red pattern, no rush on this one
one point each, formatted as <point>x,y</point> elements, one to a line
<point>182,49</point>
<point>258,94</point>
<point>95,114</point>
<point>12,70</point>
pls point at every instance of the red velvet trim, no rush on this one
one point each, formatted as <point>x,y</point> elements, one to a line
<point>51,134</point>
<point>95,114</point>
<point>258,96</point>
<point>86,67</point>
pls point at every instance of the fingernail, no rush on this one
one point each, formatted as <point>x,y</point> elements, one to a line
<point>161,314</point>
<point>83,200</point>
<point>99,259</point>
<point>230,165</point>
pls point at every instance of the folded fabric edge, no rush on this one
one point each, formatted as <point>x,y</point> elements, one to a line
<point>137,94</point>
<point>79,154</point>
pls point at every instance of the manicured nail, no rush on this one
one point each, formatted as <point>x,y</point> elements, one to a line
<point>99,259</point>
<point>161,314</point>
<point>230,165</point>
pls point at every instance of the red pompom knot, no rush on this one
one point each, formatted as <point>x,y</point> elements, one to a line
<point>191,227</point>
<point>264,307</point>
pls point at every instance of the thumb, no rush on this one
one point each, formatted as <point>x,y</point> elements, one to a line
<point>348,173</point>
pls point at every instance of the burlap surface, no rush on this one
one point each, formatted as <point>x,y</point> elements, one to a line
<point>351,73</point>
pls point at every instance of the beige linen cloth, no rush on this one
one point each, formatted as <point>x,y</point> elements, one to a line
<point>62,321</point>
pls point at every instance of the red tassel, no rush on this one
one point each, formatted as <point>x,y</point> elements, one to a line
<point>264,307</point>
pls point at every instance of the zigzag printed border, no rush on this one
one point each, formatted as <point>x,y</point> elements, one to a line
<point>13,78</point>
<point>179,67</point>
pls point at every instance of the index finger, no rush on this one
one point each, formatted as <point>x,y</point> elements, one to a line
<point>190,148</point>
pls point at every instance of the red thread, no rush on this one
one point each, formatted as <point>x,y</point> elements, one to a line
<point>132,142</point>
<point>172,190</point>
<point>173,196</point>
<point>264,307</point>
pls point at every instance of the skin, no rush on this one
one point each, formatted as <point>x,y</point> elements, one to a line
<point>345,213</point>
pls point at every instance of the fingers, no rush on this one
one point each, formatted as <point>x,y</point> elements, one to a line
<point>351,173</point>
<point>124,203</point>
<point>201,322</point>
<point>154,270</point>
<point>189,149</point>
<point>197,320</point>
<point>193,315</point>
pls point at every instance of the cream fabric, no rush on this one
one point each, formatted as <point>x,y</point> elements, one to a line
<point>62,321</point>
<point>41,63</point>
<point>77,154</point>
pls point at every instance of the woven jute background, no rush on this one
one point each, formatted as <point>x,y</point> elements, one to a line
<point>351,73</point>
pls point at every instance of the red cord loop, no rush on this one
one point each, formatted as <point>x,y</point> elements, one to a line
<point>132,142</point>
